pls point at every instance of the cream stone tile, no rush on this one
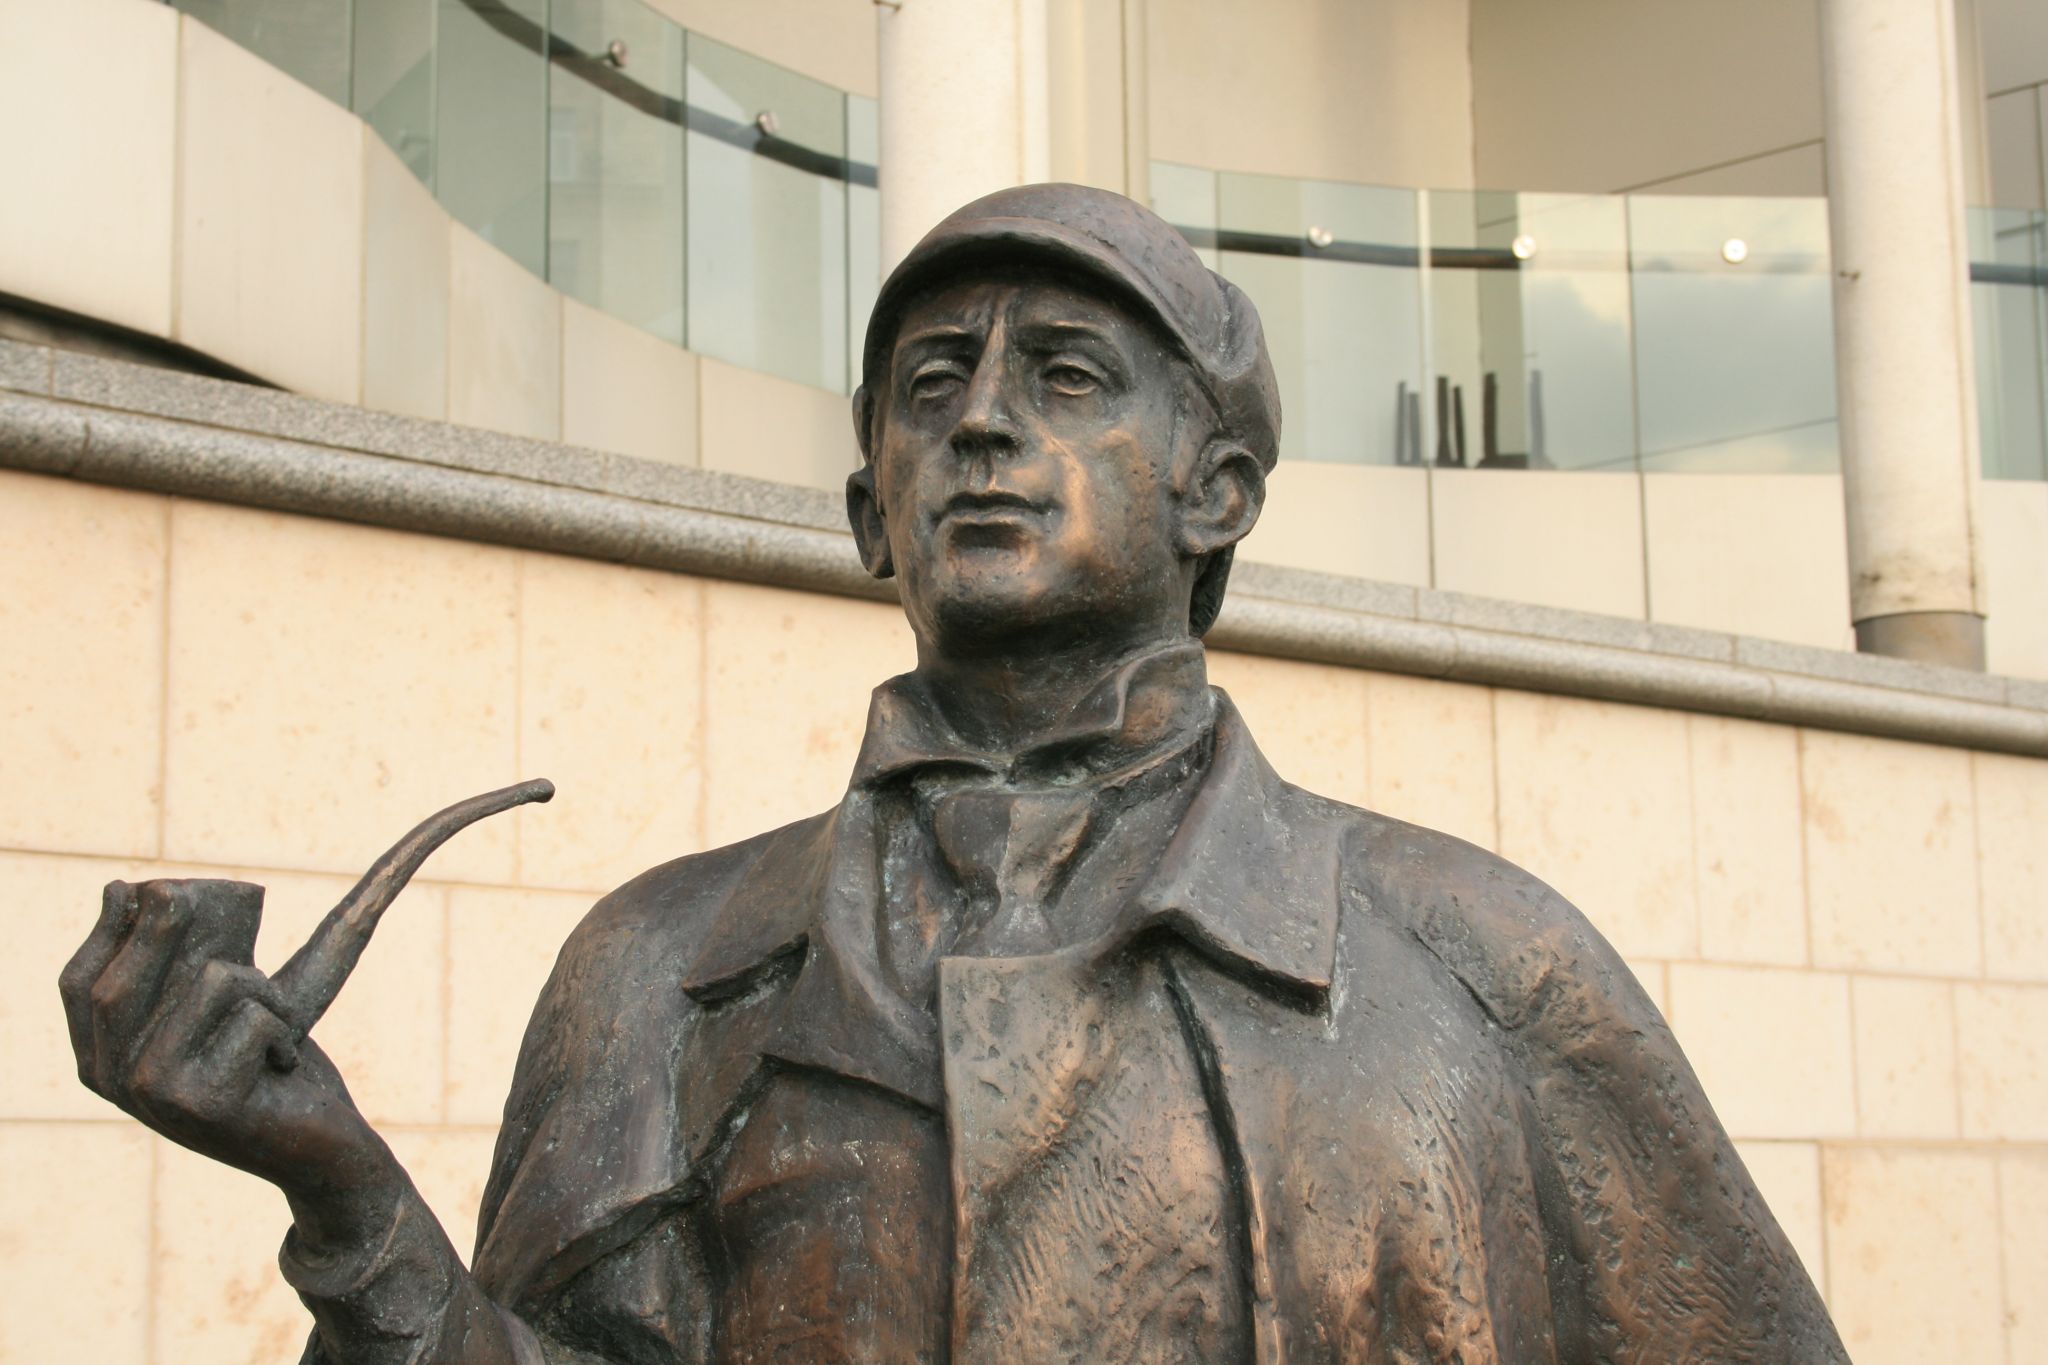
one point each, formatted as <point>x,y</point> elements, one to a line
<point>1912,1273</point>
<point>788,677</point>
<point>1432,754</point>
<point>1368,521</point>
<point>502,945</point>
<point>771,428</point>
<point>1757,554</point>
<point>330,687</point>
<point>626,390</point>
<point>2012,861</point>
<point>1772,1048</point>
<point>218,1295</point>
<point>1594,800</point>
<point>81,669</point>
<point>611,667</point>
<point>1746,848</point>
<point>53,904</point>
<point>89,225</point>
<point>504,342</point>
<point>2023,1198</point>
<point>405,289</point>
<point>2002,1061</point>
<point>2013,524</point>
<point>74,1242</point>
<point>1905,1058</point>
<point>1309,719</point>
<point>1787,1174</point>
<point>448,1167</point>
<point>270,221</point>
<point>1889,853</point>
<point>1555,538</point>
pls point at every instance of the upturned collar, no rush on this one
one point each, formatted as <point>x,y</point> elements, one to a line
<point>1155,702</point>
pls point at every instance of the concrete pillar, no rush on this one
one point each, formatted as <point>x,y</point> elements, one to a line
<point>963,108</point>
<point>1903,378</point>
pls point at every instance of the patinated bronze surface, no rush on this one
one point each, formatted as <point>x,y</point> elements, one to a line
<point>1074,1032</point>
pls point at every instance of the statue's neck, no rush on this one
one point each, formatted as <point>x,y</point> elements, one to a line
<point>1011,703</point>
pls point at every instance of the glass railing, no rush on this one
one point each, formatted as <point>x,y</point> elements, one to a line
<point>1459,328</point>
<point>715,199</point>
<point>2009,306</point>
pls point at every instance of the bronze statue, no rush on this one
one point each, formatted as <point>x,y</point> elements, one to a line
<point>1073,1033</point>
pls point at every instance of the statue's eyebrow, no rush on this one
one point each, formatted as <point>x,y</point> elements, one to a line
<point>1052,334</point>
<point>940,335</point>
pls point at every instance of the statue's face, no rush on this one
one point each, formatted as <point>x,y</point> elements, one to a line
<point>1028,466</point>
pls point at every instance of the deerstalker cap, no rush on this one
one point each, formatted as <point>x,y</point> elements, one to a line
<point>1125,245</point>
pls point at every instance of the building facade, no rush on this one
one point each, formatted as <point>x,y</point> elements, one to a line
<point>402,397</point>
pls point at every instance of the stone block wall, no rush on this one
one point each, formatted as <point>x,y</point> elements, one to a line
<point>1850,935</point>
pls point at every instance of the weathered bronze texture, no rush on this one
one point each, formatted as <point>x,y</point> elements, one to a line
<point>1073,1033</point>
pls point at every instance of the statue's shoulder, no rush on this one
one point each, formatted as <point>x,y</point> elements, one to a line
<point>670,907</point>
<point>1525,953</point>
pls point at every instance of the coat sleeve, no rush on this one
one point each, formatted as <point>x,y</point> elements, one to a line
<point>1661,1247</point>
<point>587,1250</point>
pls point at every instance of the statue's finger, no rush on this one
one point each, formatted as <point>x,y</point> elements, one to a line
<point>200,1054</point>
<point>308,983</point>
<point>74,983</point>
<point>131,988</point>
<point>180,927</point>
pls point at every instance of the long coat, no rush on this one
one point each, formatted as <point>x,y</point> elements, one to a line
<point>1330,1087</point>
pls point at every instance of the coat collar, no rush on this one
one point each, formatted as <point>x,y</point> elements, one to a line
<point>1249,880</point>
<point>1153,702</point>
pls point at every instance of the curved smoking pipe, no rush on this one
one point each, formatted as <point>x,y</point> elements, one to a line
<point>309,982</point>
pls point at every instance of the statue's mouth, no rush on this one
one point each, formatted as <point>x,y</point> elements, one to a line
<point>991,507</point>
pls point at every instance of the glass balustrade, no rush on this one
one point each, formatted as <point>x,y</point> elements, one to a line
<point>1661,333</point>
<point>727,204</point>
<point>716,200</point>
<point>2009,306</point>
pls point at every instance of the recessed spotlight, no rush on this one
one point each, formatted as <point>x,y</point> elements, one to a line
<point>1735,251</point>
<point>1523,246</point>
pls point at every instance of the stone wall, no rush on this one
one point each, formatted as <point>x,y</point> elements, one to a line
<point>1849,934</point>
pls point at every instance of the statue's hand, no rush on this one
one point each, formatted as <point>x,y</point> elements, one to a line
<point>171,1021</point>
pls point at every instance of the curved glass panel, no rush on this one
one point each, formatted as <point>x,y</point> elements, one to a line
<point>615,162</point>
<point>393,83</point>
<point>491,122</point>
<point>2009,306</point>
<point>1735,339</point>
<point>306,39</point>
<point>1530,315</point>
<point>1331,269</point>
<point>767,231</point>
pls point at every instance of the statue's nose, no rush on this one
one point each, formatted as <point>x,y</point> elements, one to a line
<point>987,424</point>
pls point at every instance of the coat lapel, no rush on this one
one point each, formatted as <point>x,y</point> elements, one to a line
<point>800,928</point>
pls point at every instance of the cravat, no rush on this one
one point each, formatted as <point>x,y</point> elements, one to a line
<point>1011,853</point>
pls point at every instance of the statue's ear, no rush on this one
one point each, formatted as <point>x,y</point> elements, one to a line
<point>870,527</point>
<point>1221,502</point>
<point>863,504</point>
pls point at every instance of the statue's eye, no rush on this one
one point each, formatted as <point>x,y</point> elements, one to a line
<point>1071,379</point>
<point>936,381</point>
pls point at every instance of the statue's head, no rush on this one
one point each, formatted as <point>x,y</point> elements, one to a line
<point>1066,422</point>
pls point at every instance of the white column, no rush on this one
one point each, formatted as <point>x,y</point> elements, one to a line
<point>1903,378</point>
<point>963,108</point>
